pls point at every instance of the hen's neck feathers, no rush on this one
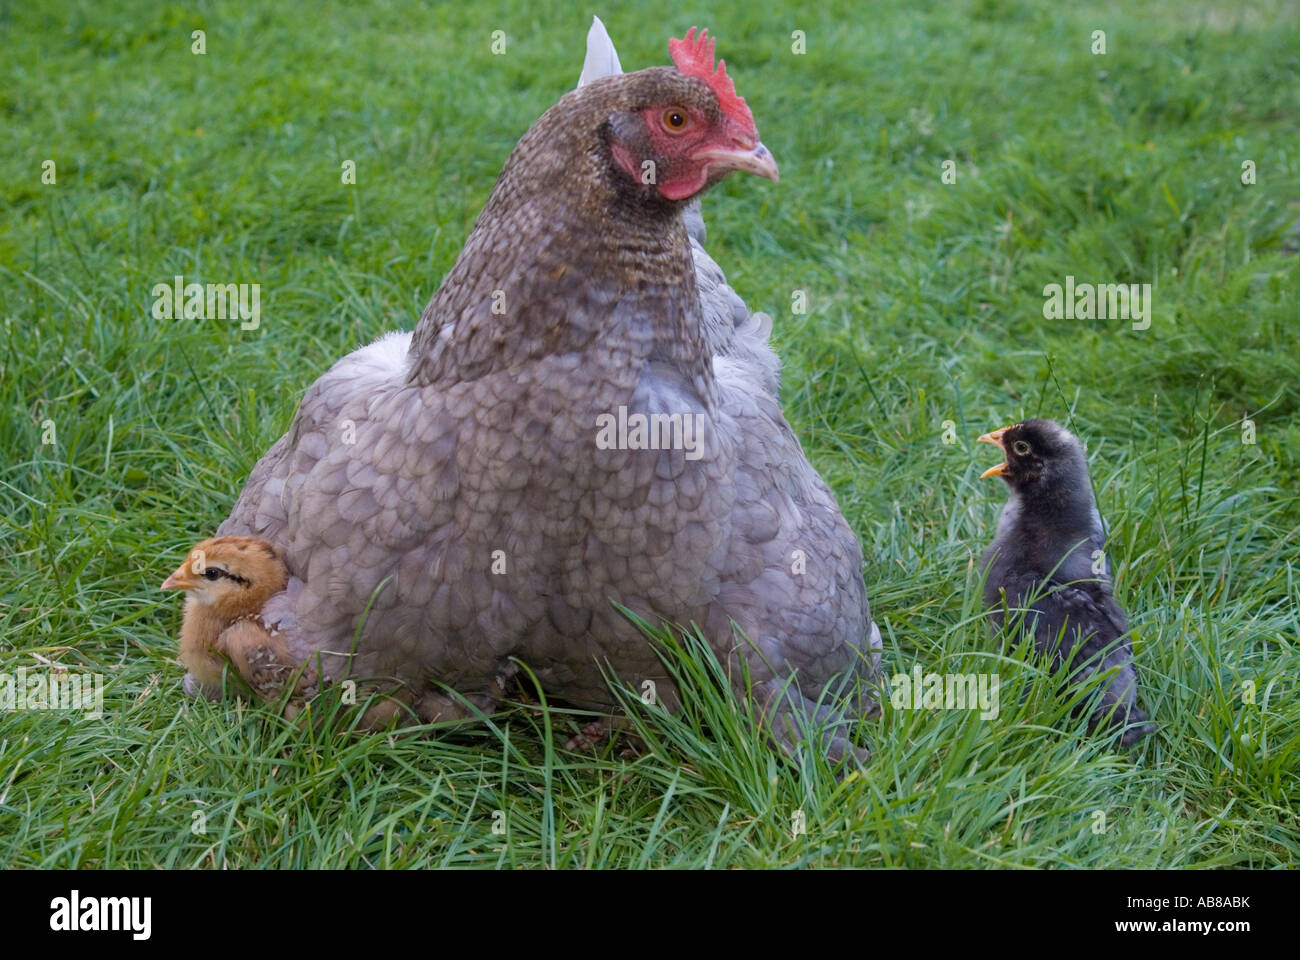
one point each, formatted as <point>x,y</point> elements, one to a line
<point>569,257</point>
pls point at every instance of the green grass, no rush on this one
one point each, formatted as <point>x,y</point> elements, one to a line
<point>925,306</point>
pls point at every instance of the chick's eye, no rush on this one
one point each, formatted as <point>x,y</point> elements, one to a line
<point>211,573</point>
<point>674,119</point>
<point>1020,447</point>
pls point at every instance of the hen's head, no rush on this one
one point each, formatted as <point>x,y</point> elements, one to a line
<point>662,134</point>
<point>691,129</point>
<point>233,575</point>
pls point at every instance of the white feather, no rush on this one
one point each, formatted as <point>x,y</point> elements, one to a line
<point>386,357</point>
<point>602,58</point>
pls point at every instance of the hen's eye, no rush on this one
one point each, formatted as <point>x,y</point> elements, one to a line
<point>212,573</point>
<point>1020,447</point>
<point>674,119</point>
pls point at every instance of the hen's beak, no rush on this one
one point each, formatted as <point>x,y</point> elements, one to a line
<point>747,157</point>
<point>182,578</point>
<point>995,437</point>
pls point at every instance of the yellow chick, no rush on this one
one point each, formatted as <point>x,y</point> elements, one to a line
<point>228,579</point>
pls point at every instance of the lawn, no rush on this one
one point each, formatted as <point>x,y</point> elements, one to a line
<point>909,313</point>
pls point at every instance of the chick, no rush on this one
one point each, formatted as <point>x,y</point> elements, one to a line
<point>1048,558</point>
<point>229,579</point>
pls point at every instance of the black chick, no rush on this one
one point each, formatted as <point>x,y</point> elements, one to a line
<point>1048,558</point>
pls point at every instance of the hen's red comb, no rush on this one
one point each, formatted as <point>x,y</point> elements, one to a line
<point>693,56</point>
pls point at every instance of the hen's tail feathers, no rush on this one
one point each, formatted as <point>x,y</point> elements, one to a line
<point>602,58</point>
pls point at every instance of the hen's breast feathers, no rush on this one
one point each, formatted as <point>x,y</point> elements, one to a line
<point>379,478</point>
<point>737,340</point>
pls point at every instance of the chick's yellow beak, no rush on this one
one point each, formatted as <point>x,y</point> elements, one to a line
<point>995,437</point>
<point>182,578</point>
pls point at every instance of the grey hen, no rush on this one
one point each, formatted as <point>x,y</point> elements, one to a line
<point>479,491</point>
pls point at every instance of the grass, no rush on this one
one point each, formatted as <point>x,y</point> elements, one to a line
<point>924,325</point>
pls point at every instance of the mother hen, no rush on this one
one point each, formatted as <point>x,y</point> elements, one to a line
<point>453,499</point>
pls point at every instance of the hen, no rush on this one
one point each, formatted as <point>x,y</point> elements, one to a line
<point>454,499</point>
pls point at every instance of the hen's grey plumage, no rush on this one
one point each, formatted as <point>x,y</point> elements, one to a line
<point>1048,558</point>
<point>450,478</point>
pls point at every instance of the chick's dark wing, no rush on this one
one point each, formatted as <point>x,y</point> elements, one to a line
<point>1082,622</point>
<point>1056,614</point>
